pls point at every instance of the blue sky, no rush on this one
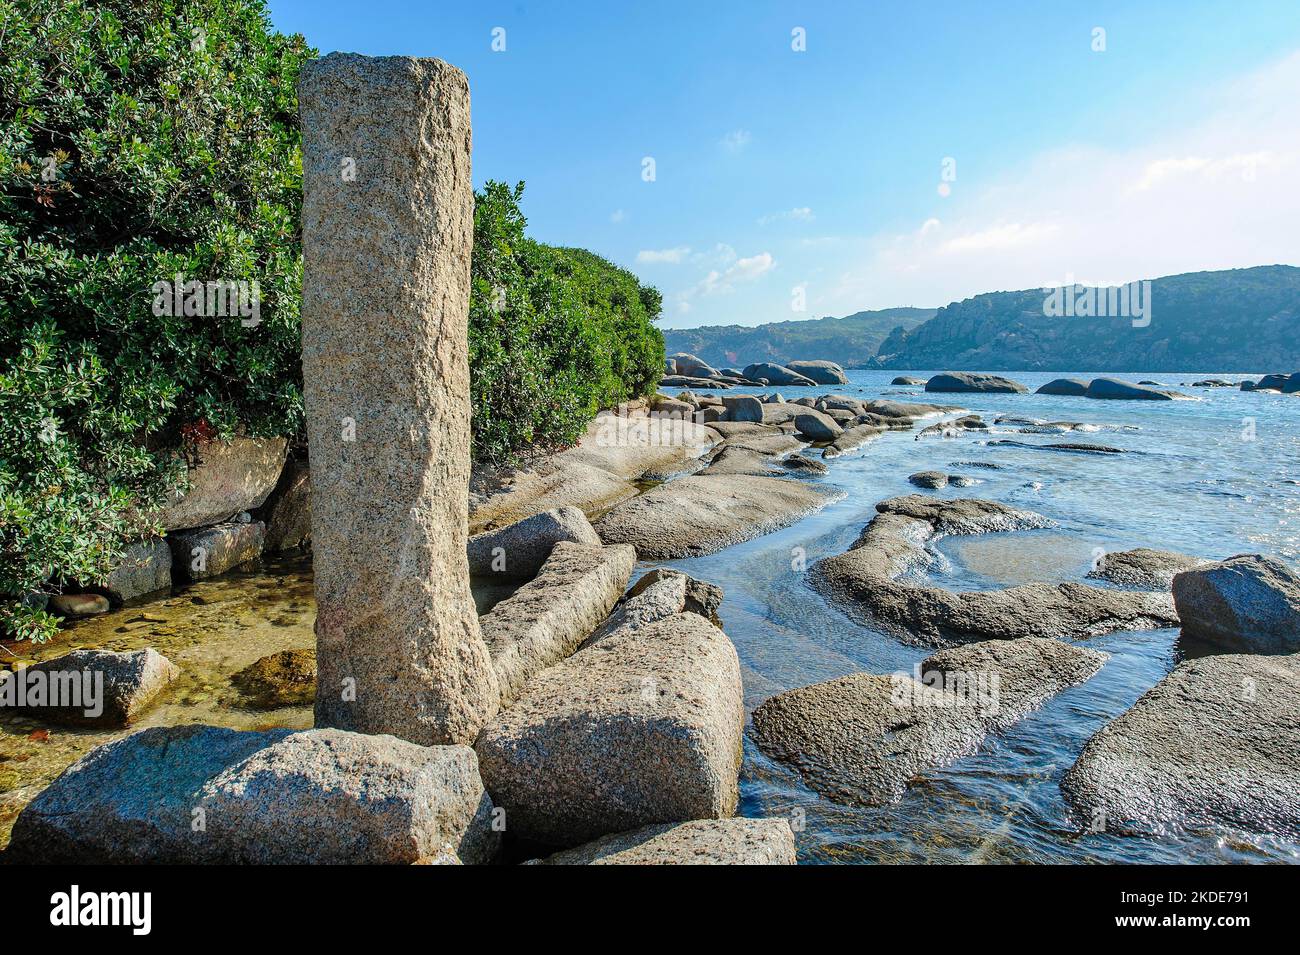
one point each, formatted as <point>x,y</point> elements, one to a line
<point>795,184</point>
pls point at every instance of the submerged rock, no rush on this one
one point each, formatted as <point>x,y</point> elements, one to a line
<point>862,739</point>
<point>1248,602</point>
<point>1214,745</point>
<point>314,797</point>
<point>98,687</point>
<point>1143,567</point>
<point>698,515</point>
<point>75,606</point>
<point>969,381</point>
<point>286,678</point>
<point>1077,447</point>
<point>907,380</point>
<point>852,438</point>
<point>642,727</point>
<point>518,551</point>
<point>699,842</point>
<point>929,479</point>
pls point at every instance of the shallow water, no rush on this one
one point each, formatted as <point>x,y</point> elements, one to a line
<point>1190,483</point>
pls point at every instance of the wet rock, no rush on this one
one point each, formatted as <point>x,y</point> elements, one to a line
<point>907,380</point>
<point>863,738</point>
<point>907,411</point>
<point>929,479</point>
<point>950,429</point>
<point>95,687</point>
<point>287,512</point>
<point>518,551</point>
<point>146,567</point>
<point>817,426</point>
<point>822,372</point>
<point>75,606</point>
<point>1248,602</point>
<point>863,581</point>
<point>1072,387</point>
<point>1113,388</point>
<point>1143,567</point>
<point>771,374</point>
<point>743,408</point>
<point>699,842</point>
<point>1078,447</point>
<point>286,678</point>
<point>211,551</point>
<point>643,727</point>
<point>1215,745</point>
<point>697,515</point>
<point>315,797</point>
<point>851,439</point>
<point>230,477</point>
<point>802,465</point>
<point>549,617</point>
<point>1273,382</point>
<point>964,381</point>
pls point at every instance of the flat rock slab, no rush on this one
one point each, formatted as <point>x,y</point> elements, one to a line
<point>642,727</point>
<point>211,551</point>
<point>279,797</point>
<point>1143,567</point>
<point>518,551</point>
<point>93,687</point>
<point>852,438</point>
<point>1214,745</point>
<point>549,617</point>
<point>862,739</point>
<point>1248,602</point>
<point>230,477</point>
<point>698,515</point>
<point>700,842</point>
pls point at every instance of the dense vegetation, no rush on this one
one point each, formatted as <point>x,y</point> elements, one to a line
<point>145,139</point>
<point>851,341</point>
<point>1240,320</point>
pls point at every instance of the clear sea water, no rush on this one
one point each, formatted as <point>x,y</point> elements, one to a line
<point>1211,477</point>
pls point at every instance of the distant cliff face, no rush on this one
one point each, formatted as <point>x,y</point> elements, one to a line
<point>1238,320</point>
<point>851,341</point>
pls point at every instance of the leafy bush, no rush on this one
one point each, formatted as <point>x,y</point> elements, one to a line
<point>554,334</point>
<point>138,139</point>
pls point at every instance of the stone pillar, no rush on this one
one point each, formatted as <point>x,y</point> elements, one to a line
<point>387,223</point>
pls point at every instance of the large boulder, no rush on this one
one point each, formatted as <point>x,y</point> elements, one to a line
<point>698,515</point>
<point>817,426</point>
<point>699,842</point>
<point>1142,567</point>
<point>1273,382</point>
<point>1215,745</point>
<point>642,727</point>
<point>548,618</point>
<point>821,371</point>
<point>743,408</point>
<point>776,374</point>
<point>1114,388</point>
<point>1247,602</point>
<point>908,380</point>
<point>965,381</point>
<point>518,551</point>
<point>692,367</point>
<point>229,477</point>
<point>862,739</point>
<point>210,551</point>
<point>146,567</point>
<point>91,687</point>
<point>1071,387</point>
<point>287,512</point>
<point>205,794</point>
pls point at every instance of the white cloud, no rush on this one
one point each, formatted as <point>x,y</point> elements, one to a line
<point>663,256</point>
<point>618,215</point>
<point>800,214</point>
<point>736,140</point>
<point>1002,236</point>
<point>723,281</point>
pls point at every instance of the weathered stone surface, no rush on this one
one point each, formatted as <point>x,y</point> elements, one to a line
<point>817,426</point>
<point>75,606</point>
<point>112,688</point>
<point>230,477</point>
<point>279,797</point>
<point>699,842</point>
<point>1071,387</point>
<point>517,552</point>
<point>1074,447</point>
<point>1143,567</point>
<point>743,408</point>
<point>950,429</point>
<point>1248,602</point>
<point>851,439</point>
<point>547,618</point>
<point>700,597</point>
<point>687,364</point>
<point>1215,745</point>
<point>698,515</point>
<point>286,678</point>
<point>905,409</point>
<point>773,374</point>
<point>863,738</point>
<point>287,512</point>
<point>1114,388</point>
<point>737,460</point>
<point>803,465</point>
<point>146,567</point>
<point>929,479</point>
<point>821,371</point>
<point>862,581</point>
<point>386,389</point>
<point>643,727</point>
<point>210,551</point>
<point>969,381</point>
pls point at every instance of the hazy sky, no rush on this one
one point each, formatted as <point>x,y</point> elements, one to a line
<point>910,154</point>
